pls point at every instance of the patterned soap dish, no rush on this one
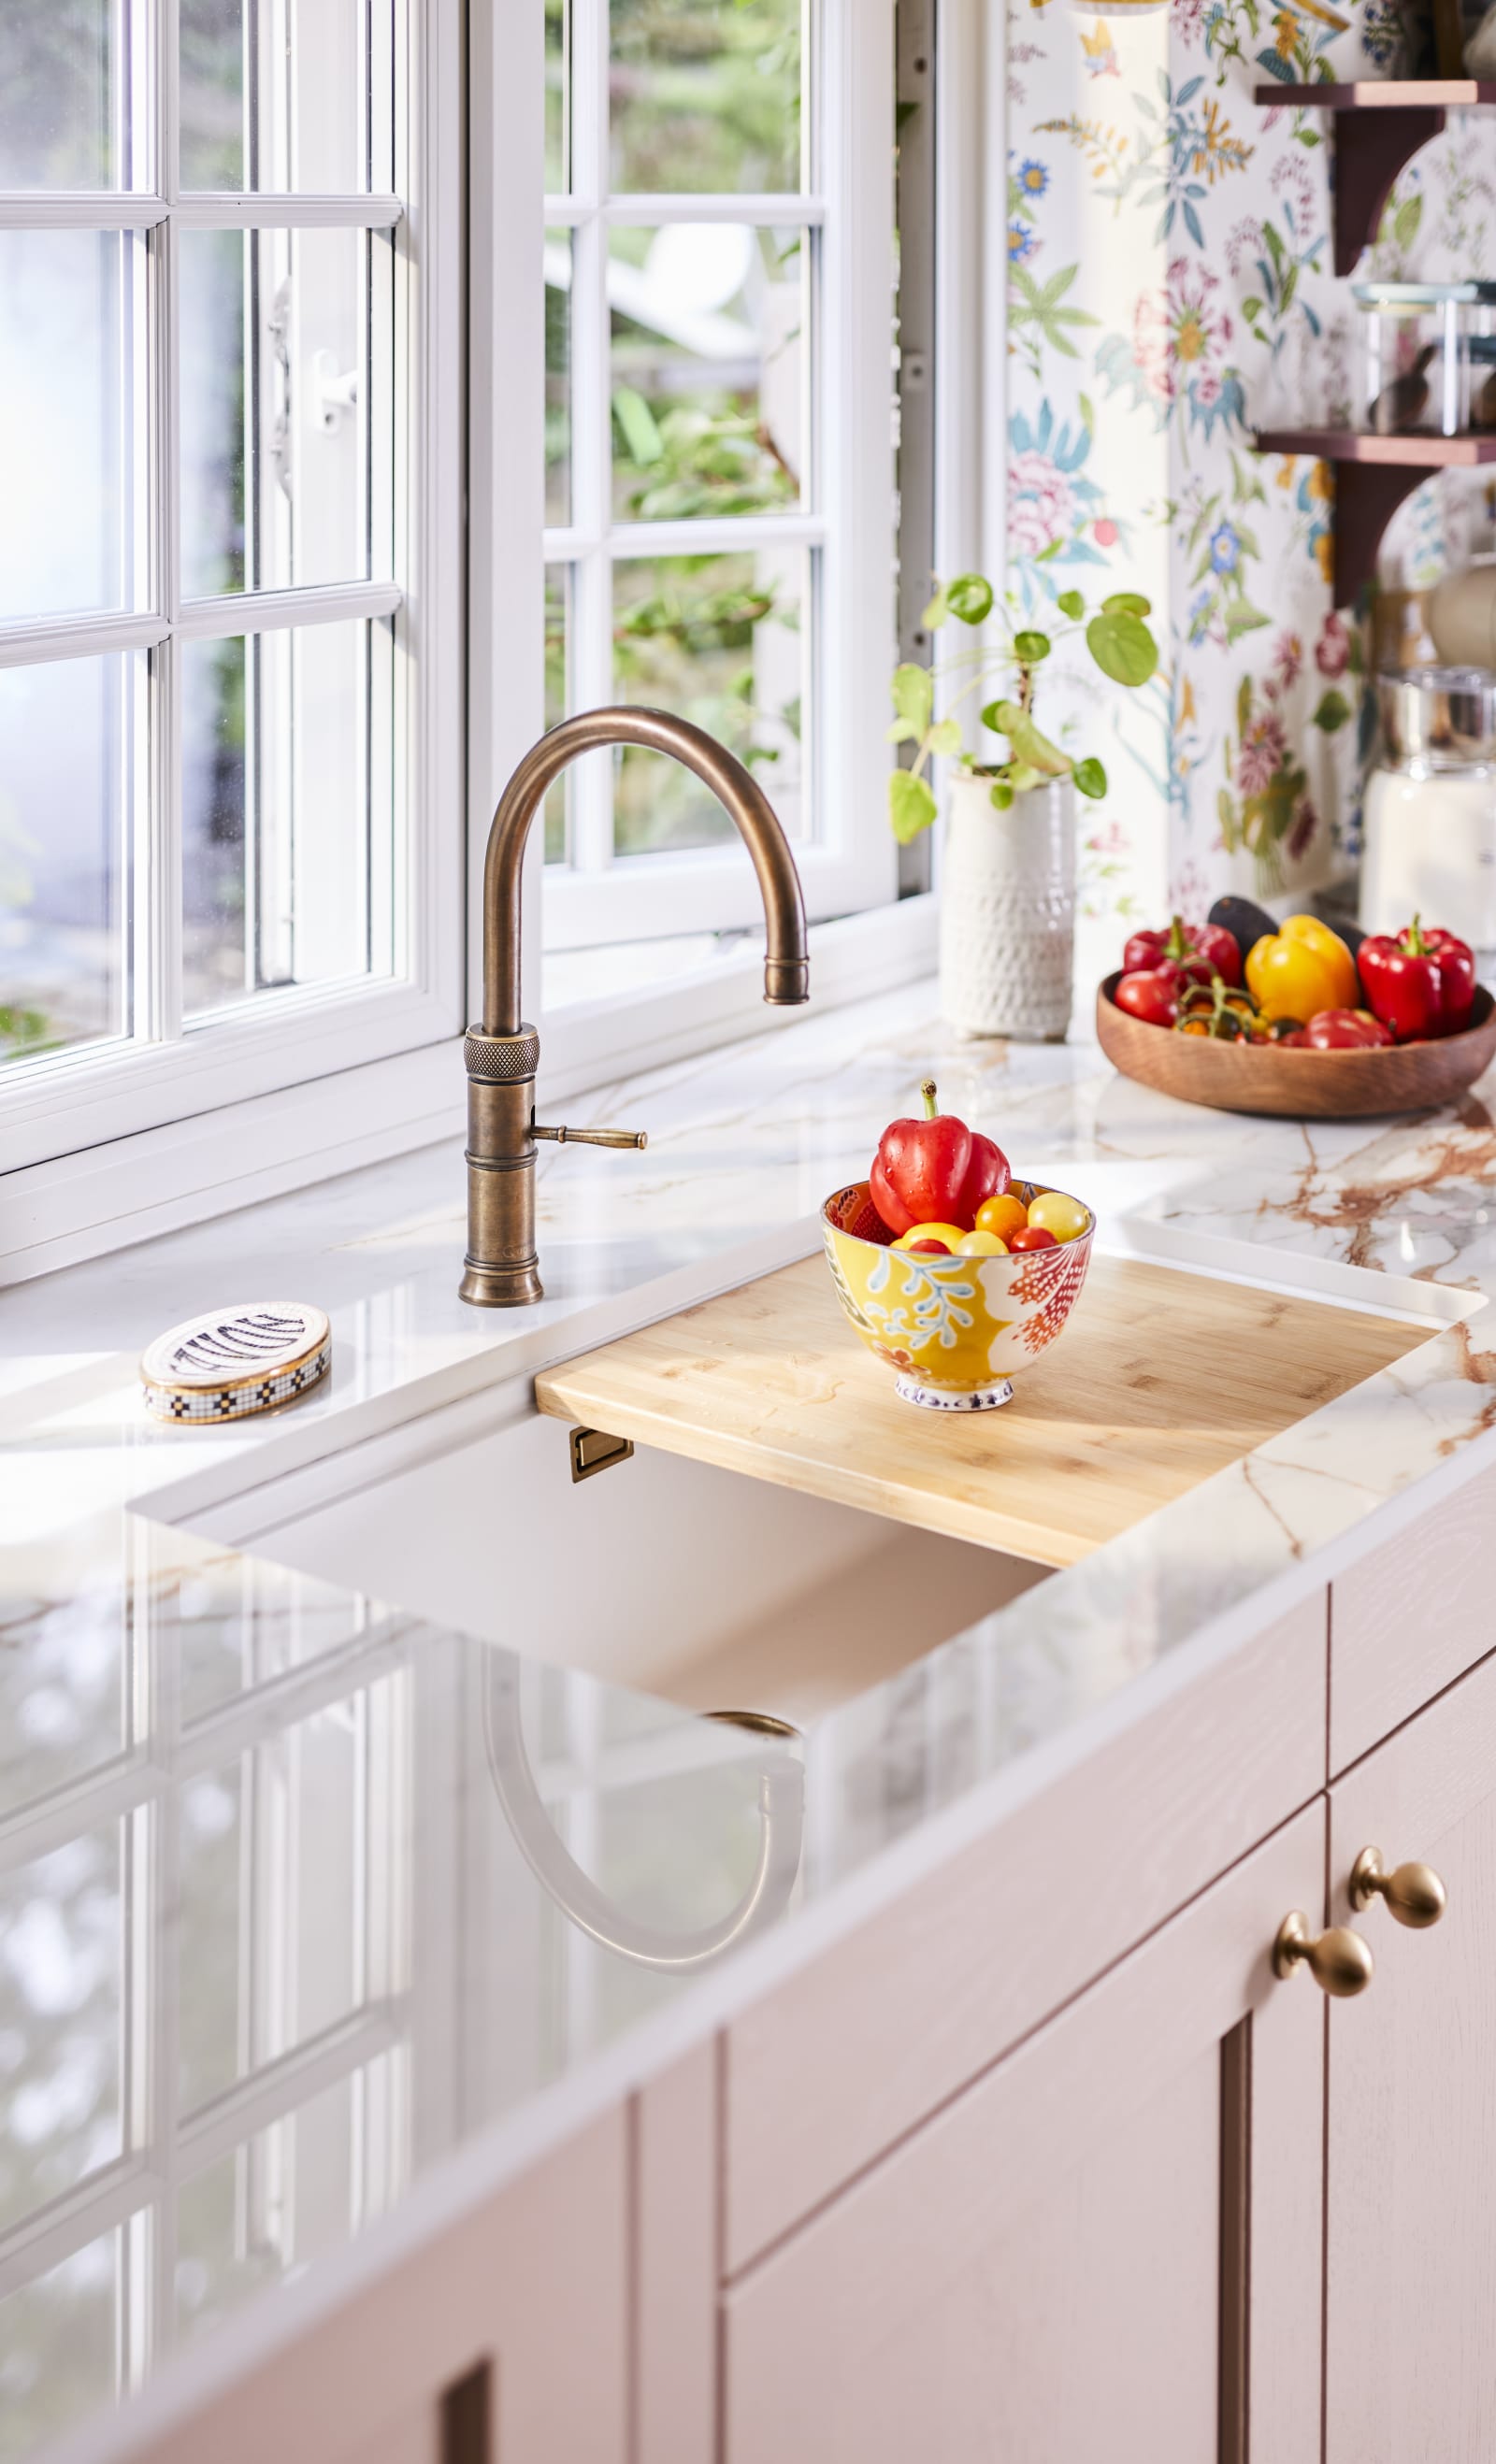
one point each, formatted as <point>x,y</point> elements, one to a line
<point>232,1362</point>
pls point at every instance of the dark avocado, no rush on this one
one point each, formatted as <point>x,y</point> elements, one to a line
<point>1244,918</point>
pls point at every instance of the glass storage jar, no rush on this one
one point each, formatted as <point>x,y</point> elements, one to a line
<point>1430,811</point>
<point>1428,357</point>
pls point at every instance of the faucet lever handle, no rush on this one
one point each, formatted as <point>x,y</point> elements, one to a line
<point>637,1138</point>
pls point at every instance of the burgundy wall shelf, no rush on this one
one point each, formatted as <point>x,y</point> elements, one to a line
<point>1380,124</point>
<point>1378,128</point>
<point>1374,475</point>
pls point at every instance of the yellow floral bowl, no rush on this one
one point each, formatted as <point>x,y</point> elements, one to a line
<point>956,1329</point>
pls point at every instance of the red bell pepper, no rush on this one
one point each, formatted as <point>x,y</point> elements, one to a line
<point>1150,994</point>
<point>1420,983</point>
<point>1343,1030</point>
<point>1202,950</point>
<point>935,1171</point>
<point>1456,975</point>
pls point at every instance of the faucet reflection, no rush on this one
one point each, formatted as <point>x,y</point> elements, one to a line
<point>502,1054</point>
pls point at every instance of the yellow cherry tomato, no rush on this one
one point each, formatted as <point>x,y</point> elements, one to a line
<point>1002,1216</point>
<point>982,1245</point>
<point>1065,1217</point>
<point>950,1233</point>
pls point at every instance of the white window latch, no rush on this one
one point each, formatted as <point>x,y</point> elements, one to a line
<point>335,397</point>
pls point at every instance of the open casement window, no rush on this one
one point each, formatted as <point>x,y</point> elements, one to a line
<point>719,474</point>
<point>220,864</point>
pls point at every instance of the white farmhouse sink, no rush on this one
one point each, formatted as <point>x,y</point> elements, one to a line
<point>718,1592</point>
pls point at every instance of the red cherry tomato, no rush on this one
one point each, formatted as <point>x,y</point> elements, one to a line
<point>1150,994</point>
<point>927,1248</point>
<point>1033,1236</point>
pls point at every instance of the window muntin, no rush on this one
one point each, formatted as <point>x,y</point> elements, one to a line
<point>201,583</point>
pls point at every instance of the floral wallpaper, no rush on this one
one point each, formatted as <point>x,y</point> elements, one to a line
<point>1171,290</point>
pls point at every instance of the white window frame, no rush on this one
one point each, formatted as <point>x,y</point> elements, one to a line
<point>847,860</point>
<point>323,1083</point>
<point>56,1107</point>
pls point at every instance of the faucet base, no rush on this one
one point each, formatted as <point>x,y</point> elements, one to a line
<point>501,1286</point>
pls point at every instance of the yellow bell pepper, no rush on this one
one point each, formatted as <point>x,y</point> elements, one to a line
<point>1301,968</point>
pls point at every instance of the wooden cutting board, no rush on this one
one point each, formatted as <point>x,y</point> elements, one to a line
<point>1159,1378</point>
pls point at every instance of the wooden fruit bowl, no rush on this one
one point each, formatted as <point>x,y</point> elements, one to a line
<point>1305,1086</point>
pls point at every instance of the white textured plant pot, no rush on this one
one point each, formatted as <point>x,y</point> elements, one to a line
<point>1007,912</point>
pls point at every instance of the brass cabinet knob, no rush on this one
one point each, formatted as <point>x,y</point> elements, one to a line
<point>1338,1960</point>
<point>1414,1893</point>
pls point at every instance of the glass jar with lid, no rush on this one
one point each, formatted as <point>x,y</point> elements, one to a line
<point>1428,357</point>
<point>1430,814</point>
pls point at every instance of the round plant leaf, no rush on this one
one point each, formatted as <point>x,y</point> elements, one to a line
<point>1122,647</point>
<point>1127,603</point>
<point>911,806</point>
<point>1071,603</point>
<point>1002,792</point>
<point>914,695</point>
<point>1031,648</point>
<point>970,597</point>
<point>1090,777</point>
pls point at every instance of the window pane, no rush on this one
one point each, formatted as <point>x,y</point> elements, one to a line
<point>708,370</point>
<point>60,2011</point>
<point>281,98</point>
<point>62,1673</point>
<point>57,95</point>
<point>304,2184</point>
<point>557,612</point>
<point>705,95</point>
<point>721,640</point>
<point>557,98</point>
<point>69,347</point>
<point>557,377</point>
<point>57,2343</point>
<point>286,789</point>
<point>285,409</point>
<point>270,1909</point>
<point>72,743</point>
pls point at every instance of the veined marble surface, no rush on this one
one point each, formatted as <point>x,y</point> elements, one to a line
<point>245,2013</point>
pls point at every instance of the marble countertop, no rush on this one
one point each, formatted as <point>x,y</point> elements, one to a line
<point>250,2023</point>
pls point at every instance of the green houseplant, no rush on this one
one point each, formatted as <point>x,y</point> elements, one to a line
<point>1007,902</point>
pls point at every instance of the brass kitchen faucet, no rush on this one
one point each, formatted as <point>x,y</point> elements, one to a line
<point>502,1054</point>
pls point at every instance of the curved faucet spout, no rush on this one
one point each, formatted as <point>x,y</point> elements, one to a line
<point>786,966</point>
<point>502,1053</point>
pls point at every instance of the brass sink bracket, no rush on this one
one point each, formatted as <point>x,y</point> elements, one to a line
<point>502,1054</point>
<point>593,1451</point>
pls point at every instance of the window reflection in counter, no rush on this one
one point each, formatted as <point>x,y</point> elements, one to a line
<point>269,1947</point>
<point>203,1959</point>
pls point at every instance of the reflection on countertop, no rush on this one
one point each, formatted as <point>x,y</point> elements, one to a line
<point>272,1945</point>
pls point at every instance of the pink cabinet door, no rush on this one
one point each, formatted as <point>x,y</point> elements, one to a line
<point>501,2338</point>
<point>1411,1618</point>
<point>1108,2246</point>
<point>1411,2260</point>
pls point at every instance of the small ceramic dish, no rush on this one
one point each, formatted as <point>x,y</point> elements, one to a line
<point>237,1362</point>
<point>956,1330</point>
